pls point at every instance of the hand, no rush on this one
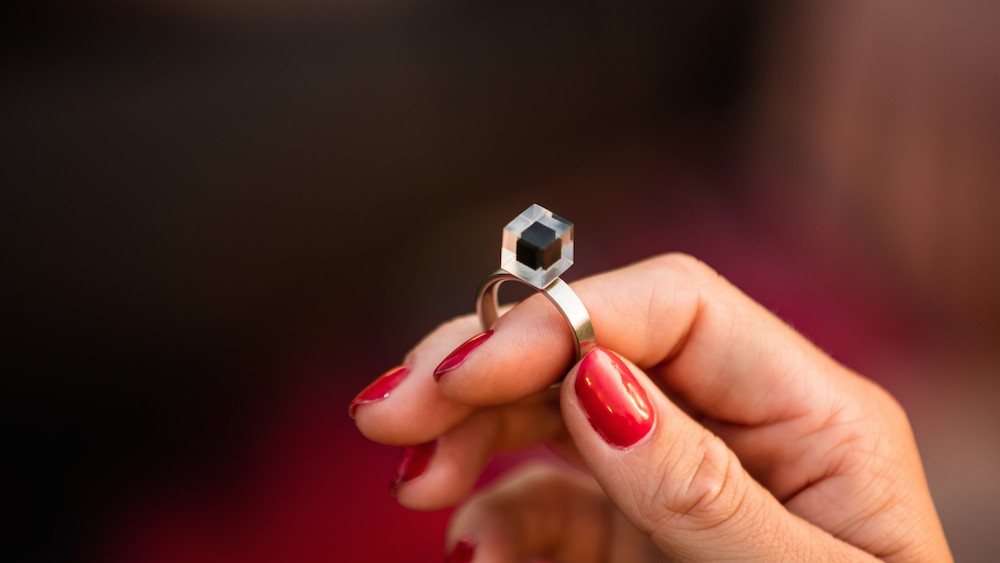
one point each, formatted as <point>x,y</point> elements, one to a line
<point>745,441</point>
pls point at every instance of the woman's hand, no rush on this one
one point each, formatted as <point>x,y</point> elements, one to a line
<point>716,430</point>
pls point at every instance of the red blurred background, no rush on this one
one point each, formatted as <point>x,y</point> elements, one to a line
<point>220,221</point>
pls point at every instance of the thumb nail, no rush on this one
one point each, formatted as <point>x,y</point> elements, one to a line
<point>614,402</point>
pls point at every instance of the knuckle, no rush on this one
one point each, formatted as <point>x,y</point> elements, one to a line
<point>674,290</point>
<point>880,405</point>
<point>893,408</point>
<point>680,263</point>
<point>711,494</point>
<point>698,492</point>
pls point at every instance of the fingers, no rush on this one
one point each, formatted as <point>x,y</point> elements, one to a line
<point>716,348</point>
<point>673,479</point>
<point>447,444</point>
<point>543,511</point>
<point>442,472</point>
<point>409,408</point>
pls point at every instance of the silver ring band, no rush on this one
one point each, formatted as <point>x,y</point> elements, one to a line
<point>558,292</point>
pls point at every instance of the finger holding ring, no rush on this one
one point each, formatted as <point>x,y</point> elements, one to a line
<point>537,248</point>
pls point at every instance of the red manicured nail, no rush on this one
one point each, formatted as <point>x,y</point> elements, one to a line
<point>456,358</point>
<point>412,463</point>
<point>463,552</point>
<point>615,403</point>
<point>380,388</point>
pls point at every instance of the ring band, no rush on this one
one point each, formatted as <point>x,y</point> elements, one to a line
<point>537,248</point>
<point>558,292</point>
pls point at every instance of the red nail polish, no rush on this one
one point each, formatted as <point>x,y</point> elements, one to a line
<point>412,463</point>
<point>615,403</point>
<point>380,388</point>
<point>463,552</point>
<point>456,358</point>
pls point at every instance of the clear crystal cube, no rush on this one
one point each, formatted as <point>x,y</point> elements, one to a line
<point>537,246</point>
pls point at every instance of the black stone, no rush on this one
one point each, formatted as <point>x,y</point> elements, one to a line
<point>538,247</point>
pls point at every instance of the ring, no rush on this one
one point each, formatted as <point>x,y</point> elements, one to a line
<point>537,247</point>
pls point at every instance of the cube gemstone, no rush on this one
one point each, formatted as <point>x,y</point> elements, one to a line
<point>537,246</point>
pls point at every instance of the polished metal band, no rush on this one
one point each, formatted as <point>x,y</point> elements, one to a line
<point>558,292</point>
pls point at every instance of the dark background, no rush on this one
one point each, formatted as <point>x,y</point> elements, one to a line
<point>191,200</point>
<point>220,222</point>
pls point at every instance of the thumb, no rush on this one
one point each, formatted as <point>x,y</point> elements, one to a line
<point>672,478</point>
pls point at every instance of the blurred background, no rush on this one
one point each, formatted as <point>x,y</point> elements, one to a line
<point>220,220</point>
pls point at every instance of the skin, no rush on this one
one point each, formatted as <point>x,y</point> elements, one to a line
<point>763,448</point>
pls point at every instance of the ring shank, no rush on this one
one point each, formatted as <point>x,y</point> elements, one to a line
<point>558,292</point>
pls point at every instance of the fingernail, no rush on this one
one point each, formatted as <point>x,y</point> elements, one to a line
<point>380,388</point>
<point>412,463</point>
<point>616,405</point>
<point>456,358</point>
<point>463,552</point>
